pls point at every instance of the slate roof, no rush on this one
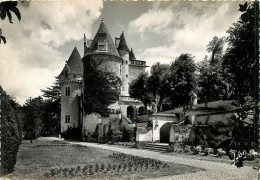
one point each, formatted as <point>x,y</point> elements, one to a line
<point>74,63</point>
<point>122,44</point>
<point>103,31</point>
<point>132,55</point>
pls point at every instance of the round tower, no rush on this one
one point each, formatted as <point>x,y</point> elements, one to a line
<point>124,53</point>
<point>70,81</point>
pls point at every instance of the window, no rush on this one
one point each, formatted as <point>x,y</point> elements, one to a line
<point>126,75</point>
<point>126,62</point>
<point>67,93</point>
<point>102,46</point>
<point>67,118</point>
<point>75,76</point>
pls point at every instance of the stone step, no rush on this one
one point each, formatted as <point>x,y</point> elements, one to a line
<point>157,147</point>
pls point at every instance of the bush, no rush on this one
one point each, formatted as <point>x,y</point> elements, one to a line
<point>11,132</point>
<point>72,133</point>
<point>114,136</point>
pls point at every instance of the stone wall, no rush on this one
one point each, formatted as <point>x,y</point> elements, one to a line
<point>134,72</point>
<point>107,62</point>
<point>70,104</point>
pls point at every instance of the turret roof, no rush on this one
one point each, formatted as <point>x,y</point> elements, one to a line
<point>74,63</point>
<point>103,33</point>
<point>122,44</point>
<point>131,54</point>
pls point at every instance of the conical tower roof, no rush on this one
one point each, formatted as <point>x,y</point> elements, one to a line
<point>131,54</point>
<point>106,37</point>
<point>74,64</point>
<point>122,44</point>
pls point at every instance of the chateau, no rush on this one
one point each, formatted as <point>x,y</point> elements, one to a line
<point>114,56</point>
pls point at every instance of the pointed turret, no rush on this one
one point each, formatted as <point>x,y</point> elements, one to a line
<point>103,42</point>
<point>131,54</point>
<point>74,64</point>
<point>122,44</point>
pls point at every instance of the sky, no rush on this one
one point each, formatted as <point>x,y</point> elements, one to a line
<point>38,46</point>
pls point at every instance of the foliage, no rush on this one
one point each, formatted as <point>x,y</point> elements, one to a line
<point>182,80</point>
<point>6,7</point>
<point>158,83</point>
<point>102,88</point>
<point>114,135</point>
<point>11,131</point>
<point>239,60</point>
<point>52,108</point>
<point>215,46</point>
<point>138,89</point>
<point>33,117</point>
<point>211,82</point>
<point>72,133</point>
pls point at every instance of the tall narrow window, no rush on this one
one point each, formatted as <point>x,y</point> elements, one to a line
<point>67,118</point>
<point>67,93</point>
<point>66,74</point>
<point>102,45</point>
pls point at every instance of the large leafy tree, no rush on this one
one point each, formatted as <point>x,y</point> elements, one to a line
<point>182,80</point>
<point>102,88</point>
<point>240,70</point>
<point>210,80</point>
<point>158,83</point>
<point>11,131</point>
<point>215,47</point>
<point>52,108</point>
<point>239,60</point>
<point>6,7</point>
<point>33,116</point>
<point>138,89</point>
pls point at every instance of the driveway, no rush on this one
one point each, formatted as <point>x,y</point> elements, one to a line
<point>214,170</point>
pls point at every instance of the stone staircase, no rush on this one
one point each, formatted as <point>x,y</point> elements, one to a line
<point>157,147</point>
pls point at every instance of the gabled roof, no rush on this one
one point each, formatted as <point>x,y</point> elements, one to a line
<point>74,64</point>
<point>104,33</point>
<point>122,44</point>
<point>131,54</point>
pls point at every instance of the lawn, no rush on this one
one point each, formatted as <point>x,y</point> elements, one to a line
<point>57,160</point>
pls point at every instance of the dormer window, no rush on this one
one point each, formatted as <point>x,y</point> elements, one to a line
<point>102,45</point>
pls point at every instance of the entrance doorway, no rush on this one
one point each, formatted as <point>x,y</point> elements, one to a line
<point>165,133</point>
<point>130,112</point>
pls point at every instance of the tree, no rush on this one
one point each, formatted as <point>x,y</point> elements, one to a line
<point>211,82</point>
<point>158,83</point>
<point>239,60</point>
<point>215,46</point>
<point>102,88</point>
<point>182,79</point>
<point>52,108</point>
<point>11,131</point>
<point>240,66</point>
<point>6,8</point>
<point>33,116</point>
<point>138,89</point>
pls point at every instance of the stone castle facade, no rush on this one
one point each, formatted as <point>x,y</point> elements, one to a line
<point>114,56</point>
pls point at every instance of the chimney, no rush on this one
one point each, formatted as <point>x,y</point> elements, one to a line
<point>117,40</point>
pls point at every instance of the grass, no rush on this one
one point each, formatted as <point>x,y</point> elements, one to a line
<point>36,159</point>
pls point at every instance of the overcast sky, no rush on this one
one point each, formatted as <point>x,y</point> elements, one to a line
<point>38,46</point>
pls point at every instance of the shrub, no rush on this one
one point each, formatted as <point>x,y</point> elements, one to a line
<point>11,132</point>
<point>72,133</point>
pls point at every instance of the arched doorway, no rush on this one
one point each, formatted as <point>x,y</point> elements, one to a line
<point>165,133</point>
<point>130,112</point>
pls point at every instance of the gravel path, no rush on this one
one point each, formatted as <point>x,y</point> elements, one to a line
<point>214,170</point>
